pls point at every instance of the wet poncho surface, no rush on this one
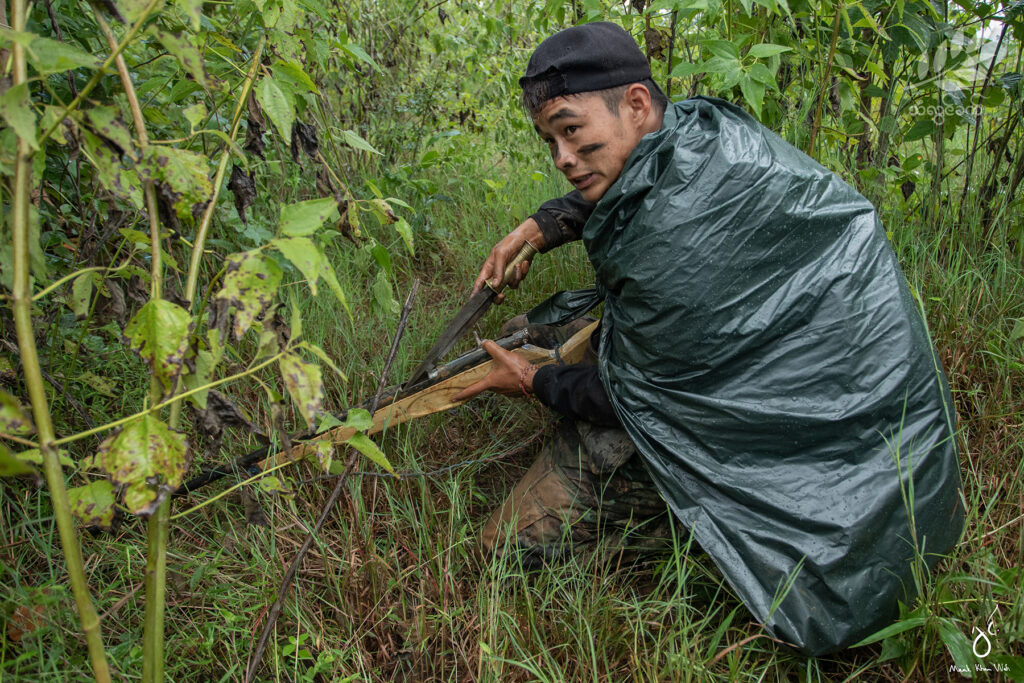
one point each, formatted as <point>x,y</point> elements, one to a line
<point>762,349</point>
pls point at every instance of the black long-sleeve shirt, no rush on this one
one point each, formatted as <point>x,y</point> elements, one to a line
<point>573,390</point>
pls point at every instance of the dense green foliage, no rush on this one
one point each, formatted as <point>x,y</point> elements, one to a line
<point>210,214</point>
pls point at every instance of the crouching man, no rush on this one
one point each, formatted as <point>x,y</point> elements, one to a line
<point>760,366</point>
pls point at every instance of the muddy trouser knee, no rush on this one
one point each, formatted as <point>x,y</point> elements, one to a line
<point>588,484</point>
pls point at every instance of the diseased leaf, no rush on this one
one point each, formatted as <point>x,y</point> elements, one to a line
<point>364,445</point>
<point>11,466</point>
<point>184,51</point>
<point>81,294</point>
<point>243,187</point>
<point>93,504</point>
<point>304,384</point>
<point>16,110</point>
<point>324,451</point>
<point>194,10</point>
<point>13,418</point>
<point>352,139</point>
<point>304,255</point>
<point>272,484</point>
<point>305,218</point>
<point>34,456</point>
<point>250,286</point>
<point>101,385</point>
<point>182,177</point>
<point>159,333</point>
<point>148,459</point>
<point>278,105</point>
<point>111,173</point>
<point>52,56</point>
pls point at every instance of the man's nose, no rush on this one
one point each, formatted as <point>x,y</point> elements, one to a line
<point>564,158</point>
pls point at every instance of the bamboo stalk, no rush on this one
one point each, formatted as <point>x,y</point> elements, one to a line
<point>22,310</point>
<point>825,79</point>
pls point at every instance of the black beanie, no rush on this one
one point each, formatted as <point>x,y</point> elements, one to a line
<point>583,59</point>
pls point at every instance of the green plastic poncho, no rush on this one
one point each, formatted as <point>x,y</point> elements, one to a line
<point>762,349</point>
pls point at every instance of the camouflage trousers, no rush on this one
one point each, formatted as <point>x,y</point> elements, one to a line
<point>587,485</point>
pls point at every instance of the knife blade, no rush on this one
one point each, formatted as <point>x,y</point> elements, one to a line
<point>467,316</point>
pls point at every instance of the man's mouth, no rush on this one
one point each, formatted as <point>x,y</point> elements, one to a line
<point>583,181</point>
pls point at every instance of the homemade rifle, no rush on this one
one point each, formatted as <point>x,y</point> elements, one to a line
<point>401,404</point>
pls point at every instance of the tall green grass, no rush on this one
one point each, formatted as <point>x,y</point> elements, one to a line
<point>396,587</point>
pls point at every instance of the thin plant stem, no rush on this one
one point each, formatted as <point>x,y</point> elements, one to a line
<point>156,530</point>
<point>204,223</point>
<point>22,310</point>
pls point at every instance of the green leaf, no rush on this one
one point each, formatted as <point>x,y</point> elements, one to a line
<point>322,355</point>
<point>194,114</point>
<point>327,273</point>
<point>93,504</point>
<point>304,255</point>
<point>16,110</point>
<point>184,175</point>
<point>405,231</point>
<point>13,418</point>
<point>722,48</point>
<point>753,93</point>
<point>278,105</point>
<point>52,56</point>
<point>159,333</point>
<point>34,456</point>
<point>383,294</point>
<point>922,128</point>
<point>250,286</point>
<point>364,445</point>
<point>304,384</point>
<point>101,385</point>
<point>763,50</point>
<point>684,69</point>
<point>305,218</point>
<point>898,627</point>
<point>187,54</point>
<point>206,363</point>
<point>959,647</point>
<point>1017,332</point>
<point>148,459</point>
<point>359,53</point>
<point>296,73</point>
<point>358,418</point>
<point>11,466</point>
<point>352,139</point>
<point>272,484</point>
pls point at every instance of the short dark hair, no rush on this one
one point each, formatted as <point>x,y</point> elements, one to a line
<point>533,100</point>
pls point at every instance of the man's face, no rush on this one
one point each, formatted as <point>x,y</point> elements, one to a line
<point>588,143</point>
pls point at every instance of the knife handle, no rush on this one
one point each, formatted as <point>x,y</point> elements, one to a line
<point>526,252</point>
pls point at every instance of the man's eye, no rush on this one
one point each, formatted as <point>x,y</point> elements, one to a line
<point>569,130</point>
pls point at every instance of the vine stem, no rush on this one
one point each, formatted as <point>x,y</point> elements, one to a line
<point>22,310</point>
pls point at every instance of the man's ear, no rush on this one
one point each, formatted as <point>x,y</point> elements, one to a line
<point>637,100</point>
